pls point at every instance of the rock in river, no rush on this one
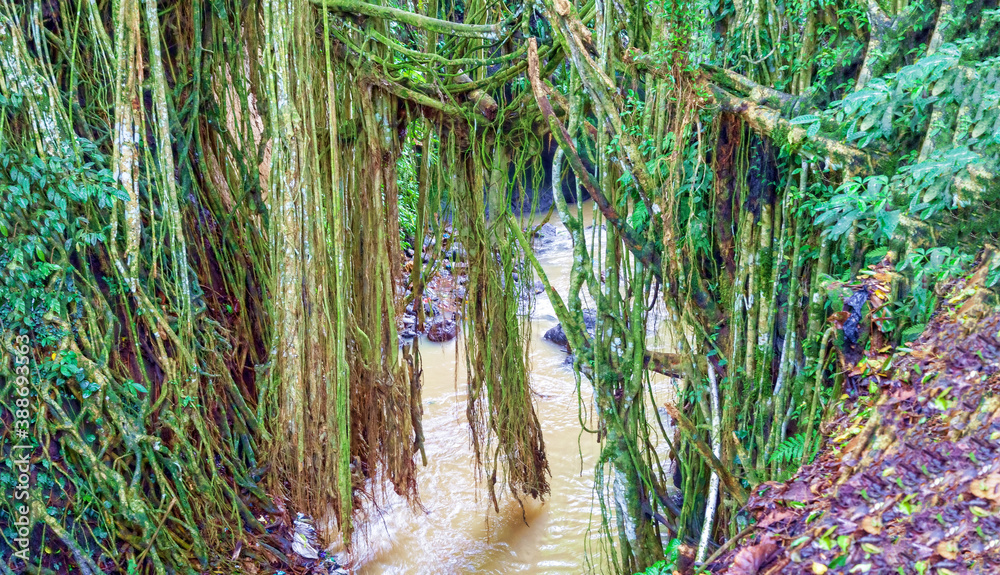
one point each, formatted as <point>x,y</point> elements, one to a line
<point>557,336</point>
<point>442,330</point>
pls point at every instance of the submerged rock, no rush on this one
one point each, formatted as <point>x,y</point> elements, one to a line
<point>528,290</point>
<point>442,330</point>
<point>547,231</point>
<point>428,309</point>
<point>558,336</point>
<point>545,237</point>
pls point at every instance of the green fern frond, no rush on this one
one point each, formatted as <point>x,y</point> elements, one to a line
<point>789,450</point>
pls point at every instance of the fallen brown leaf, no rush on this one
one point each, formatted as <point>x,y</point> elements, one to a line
<point>750,559</point>
<point>987,487</point>
<point>872,525</point>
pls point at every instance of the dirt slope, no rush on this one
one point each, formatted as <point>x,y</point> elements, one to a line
<point>915,488</point>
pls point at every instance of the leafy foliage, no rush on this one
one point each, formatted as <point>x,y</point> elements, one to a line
<point>790,450</point>
<point>35,218</point>
<point>406,182</point>
<point>668,564</point>
<point>45,234</point>
<point>858,202</point>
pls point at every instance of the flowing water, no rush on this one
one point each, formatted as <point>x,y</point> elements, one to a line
<point>457,531</point>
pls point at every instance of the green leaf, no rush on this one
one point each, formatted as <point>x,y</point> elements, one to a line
<point>843,225</point>
<point>789,450</point>
<point>639,217</point>
<point>868,122</point>
<point>876,255</point>
<point>888,221</point>
<point>840,561</point>
<point>807,119</point>
<point>135,387</point>
<point>800,541</point>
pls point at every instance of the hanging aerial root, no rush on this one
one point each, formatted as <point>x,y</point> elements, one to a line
<point>506,434</point>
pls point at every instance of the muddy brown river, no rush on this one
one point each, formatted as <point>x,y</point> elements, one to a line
<point>457,531</point>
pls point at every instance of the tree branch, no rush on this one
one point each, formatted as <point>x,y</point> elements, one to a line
<point>577,41</point>
<point>420,95</point>
<point>485,103</point>
<point>884,38</point>
<point>486,31</point>
<point>760,94</point>
<point>643,250</point>
<point>769,122</point>
<point>669,364</point>
<point>728,479</point>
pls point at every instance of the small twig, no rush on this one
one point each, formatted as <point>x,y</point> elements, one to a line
<point>149,545</point>
<point>722,548</point>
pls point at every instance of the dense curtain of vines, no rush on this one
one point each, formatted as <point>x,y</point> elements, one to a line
<point>365,128</point>
<point>344,398</point>
<point>200,221</point>
<point>133,265</point>
<point>204,256</point>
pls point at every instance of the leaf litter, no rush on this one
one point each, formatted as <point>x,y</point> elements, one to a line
<point>916,487</point>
